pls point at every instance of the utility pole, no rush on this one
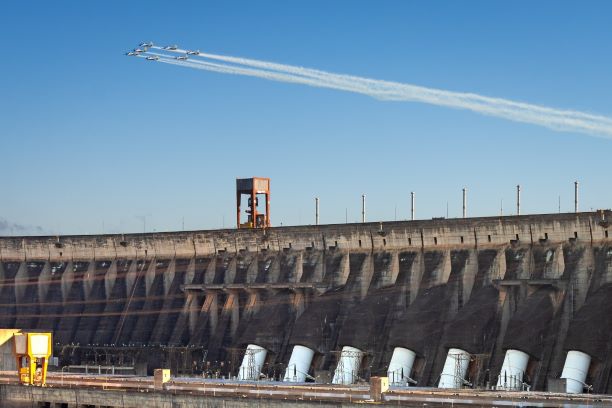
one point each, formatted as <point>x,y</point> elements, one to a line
<point>363,208</point>
<point>575,196</point>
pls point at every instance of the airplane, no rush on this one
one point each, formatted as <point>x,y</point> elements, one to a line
<point>146,44</point>
<point>181,58</point>
<point>132,53</point>
<point>196,52</point>
<point>138,50</point>
<point>154,58</point>
<point>171,47</point>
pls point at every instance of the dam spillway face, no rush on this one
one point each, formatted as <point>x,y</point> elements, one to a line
<point>506,302</point>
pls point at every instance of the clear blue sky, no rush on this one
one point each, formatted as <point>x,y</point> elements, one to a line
<point>91,139</point>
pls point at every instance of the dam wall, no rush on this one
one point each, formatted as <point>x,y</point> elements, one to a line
<point>195,300</point>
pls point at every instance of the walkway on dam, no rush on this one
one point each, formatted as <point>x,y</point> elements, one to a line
<point>78,391</point>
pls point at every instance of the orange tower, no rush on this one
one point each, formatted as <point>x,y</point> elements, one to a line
<point>253,187</point>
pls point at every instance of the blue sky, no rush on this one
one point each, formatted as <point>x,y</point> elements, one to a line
<point>93,141</point>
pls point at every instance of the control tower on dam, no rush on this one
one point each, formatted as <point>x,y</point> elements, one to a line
<point>515,302</point>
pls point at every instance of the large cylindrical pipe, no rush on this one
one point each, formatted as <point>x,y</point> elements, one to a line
<point>513,370</point>
<point>252,363</point>
<point>455,368</point>
<point>316,210</point>
<point>575,371</point>
<point>348,366</point>
<point>412,205</point>
<point>464,202</point>
<point>299,364</point>
<point>518,199</point>
<point>400,366</point>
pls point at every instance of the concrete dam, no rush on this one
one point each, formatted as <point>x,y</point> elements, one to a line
<point>513,302</point>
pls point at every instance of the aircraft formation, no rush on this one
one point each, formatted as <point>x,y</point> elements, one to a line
<point>144,48</point>
<point>551,118</point>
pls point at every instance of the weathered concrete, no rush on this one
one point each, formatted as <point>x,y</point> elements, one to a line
<point>16,396</point>
<point>13,396</point>
<point>376,285</point>
<point>455,233</point>
<point>7,356</point>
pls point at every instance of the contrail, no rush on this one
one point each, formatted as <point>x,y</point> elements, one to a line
<point>556,119</point>
<point>270,75</point>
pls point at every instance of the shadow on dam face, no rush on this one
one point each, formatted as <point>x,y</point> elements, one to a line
<point>193,301</point>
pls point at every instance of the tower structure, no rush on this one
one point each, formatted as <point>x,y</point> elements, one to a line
<point>258,216</point>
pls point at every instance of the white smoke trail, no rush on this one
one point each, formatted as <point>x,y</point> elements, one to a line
<point>322,74</point>
<point>270,75</point>
<point>229,69</point>
<point>556,119</point>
